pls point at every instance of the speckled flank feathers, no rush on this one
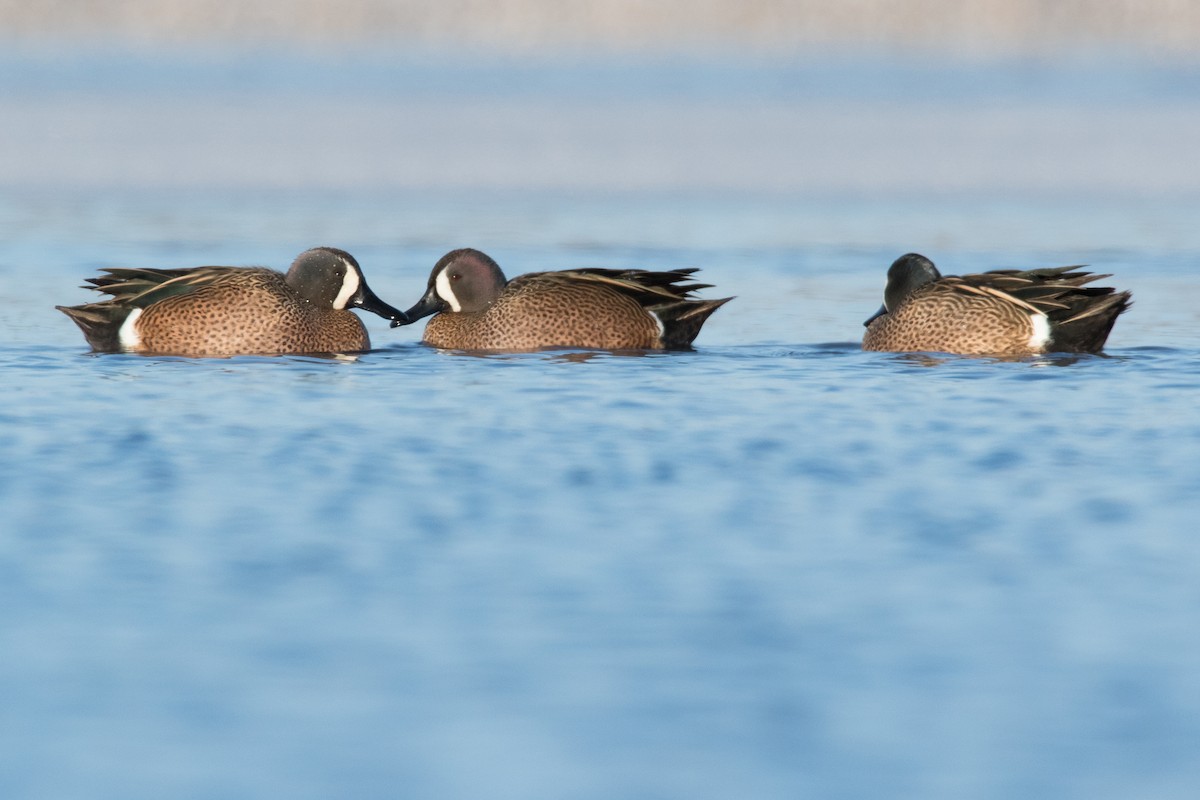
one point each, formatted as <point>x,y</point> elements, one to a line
<point>223,311</point>
<point>584,308</point>
<point>1004,312</point>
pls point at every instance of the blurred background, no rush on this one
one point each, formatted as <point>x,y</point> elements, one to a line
<point>775,567</point>
<point>972,27</point>
<point>1095,105</point>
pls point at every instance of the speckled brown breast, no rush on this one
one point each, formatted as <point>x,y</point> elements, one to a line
<point>534,313</point>
<point>256,313</point>
<point>941,320</point>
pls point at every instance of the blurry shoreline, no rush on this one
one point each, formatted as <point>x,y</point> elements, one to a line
<point>334,118</point>
<point>972,28</point>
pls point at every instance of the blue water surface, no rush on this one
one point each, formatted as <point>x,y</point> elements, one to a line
<point>776,566</point>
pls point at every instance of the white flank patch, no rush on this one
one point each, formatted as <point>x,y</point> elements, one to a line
<point>445,292</point>
<point>1041,332</point>
<point>662,329</point>
<point>128,335</point>
<point>350,285</point>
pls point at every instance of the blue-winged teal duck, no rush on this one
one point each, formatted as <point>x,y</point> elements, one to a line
<point>476,308</point>
<point>223,311</point>
<point>1004,312</point>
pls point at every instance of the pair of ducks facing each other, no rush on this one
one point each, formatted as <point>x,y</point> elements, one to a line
<point>222,311</point>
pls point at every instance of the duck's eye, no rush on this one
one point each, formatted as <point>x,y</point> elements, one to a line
<point>454,276</point>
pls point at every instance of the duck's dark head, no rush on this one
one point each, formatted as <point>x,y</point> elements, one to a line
<point>331,278</point>
<point>907,273</point>
<point>463,280</point>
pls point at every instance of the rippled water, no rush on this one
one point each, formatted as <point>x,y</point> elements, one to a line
<point>773,567</point>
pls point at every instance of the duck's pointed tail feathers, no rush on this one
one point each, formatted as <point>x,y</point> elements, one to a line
<point>681,321</point>
<point>100,323</point>
<point>1085,326</point>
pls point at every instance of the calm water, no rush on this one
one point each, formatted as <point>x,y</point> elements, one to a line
<point>773,567</point>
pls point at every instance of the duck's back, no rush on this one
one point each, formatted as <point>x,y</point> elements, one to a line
<point>247,311</point>
<point>551,309</point>
<point>943,318</point>
<point>1003,312</point>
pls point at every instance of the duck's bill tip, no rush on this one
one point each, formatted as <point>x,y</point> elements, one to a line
<point>427,305</point>
<point>367,300</point>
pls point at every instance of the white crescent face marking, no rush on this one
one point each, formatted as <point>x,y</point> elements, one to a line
<point>442,285</point>
<point>1041,332</point>
<point>350,285</point>
<point>127,335</point>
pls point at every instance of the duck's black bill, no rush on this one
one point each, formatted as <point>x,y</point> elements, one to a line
<point>429,304</point>
<point>367,300</point>
<point>882,310</point>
